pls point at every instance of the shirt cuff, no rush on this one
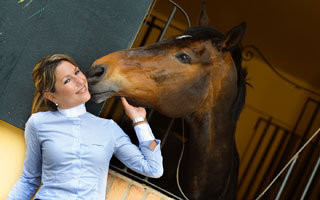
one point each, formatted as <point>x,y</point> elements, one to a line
<point>144,132</point>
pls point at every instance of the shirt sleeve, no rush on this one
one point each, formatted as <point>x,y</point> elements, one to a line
<point>140,159</point>
<point>30,178</point>
<point>144,132</point>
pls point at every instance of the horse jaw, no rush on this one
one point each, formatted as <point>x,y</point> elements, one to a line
<point>102,92</point>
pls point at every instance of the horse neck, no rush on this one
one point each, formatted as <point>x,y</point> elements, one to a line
<point>213,124</point>
<point>212,129</point>
<point>212,152</point>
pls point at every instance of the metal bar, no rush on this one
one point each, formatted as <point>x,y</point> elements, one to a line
<point>310,179</point>
<point>273,162</point>
<point>315,101</point>
<point>148,31</point>
<point>183,12</point>
<point>286,179</point>
<point>247,148</point>
<point>251,138</point>
<point>294,188</point>
<point>305,135</point>
<point>288,148</point>
<point>171,26</point>
<point>145,21</point>
<point>285,167</point>
<point>163,141</point>
<point>258,168</point>
<point>150,114</point>
<point>254,155</point>
<point>307,160</point>
<point>264,156</point>
<point>168,23</point>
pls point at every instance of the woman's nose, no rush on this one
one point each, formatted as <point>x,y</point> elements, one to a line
<point>80,80</point>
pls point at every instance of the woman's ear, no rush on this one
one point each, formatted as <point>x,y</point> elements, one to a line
<point>49,96</point>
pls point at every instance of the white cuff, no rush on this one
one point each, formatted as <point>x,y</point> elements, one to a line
<point>144,132</point>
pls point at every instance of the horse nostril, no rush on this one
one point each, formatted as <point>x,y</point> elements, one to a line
<point>96,73</point>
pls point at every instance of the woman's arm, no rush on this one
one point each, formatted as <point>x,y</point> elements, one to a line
<point>142,159</point>
<point>30,178</point>
<point>139,112</point>
<point>146,159</point>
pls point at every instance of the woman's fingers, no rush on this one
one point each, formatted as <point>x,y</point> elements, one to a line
<point>131,111</point>
<point>124,102</point>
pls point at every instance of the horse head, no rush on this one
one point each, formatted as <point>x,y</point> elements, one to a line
<point>177,77</point>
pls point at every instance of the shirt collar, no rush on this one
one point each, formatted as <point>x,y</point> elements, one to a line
<point>73,112</point>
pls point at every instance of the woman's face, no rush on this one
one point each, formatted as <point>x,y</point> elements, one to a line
<point>71,86</point>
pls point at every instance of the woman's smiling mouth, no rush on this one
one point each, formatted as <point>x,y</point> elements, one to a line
<point>82,90</point>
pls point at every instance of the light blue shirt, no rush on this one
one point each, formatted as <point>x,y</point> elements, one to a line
<point>68,152</point>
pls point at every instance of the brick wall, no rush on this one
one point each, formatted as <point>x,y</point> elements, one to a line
<point>122,188</point>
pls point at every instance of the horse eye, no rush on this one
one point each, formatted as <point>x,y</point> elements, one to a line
<point>184,58</point>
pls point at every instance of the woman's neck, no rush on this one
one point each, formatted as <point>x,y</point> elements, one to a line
<point>74,111</point>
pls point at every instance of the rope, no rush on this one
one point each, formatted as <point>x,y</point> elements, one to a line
<point>285,167</point>
<point>177,174</point>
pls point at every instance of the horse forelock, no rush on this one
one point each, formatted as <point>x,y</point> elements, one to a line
<point>205,33</point>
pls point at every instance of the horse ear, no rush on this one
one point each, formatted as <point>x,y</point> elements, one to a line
<point>203,18</point>
<point>234,37</point>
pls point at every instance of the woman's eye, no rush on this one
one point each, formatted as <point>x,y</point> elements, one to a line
<point>77,72</point>
<point>67,81</point>
<point>184,58</point>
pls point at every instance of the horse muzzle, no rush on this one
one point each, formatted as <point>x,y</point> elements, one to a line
<point>96,73</point>
<point>99,90</point>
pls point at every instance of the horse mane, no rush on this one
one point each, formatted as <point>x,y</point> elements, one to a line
<point>241,83</point>
<point>217,38</point>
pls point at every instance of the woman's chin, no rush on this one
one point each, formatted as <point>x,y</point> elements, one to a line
<point>85,98</point>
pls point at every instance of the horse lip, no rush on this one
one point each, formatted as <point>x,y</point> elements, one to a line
<point>102,96</point>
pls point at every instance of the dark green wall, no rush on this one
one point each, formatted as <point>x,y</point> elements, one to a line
<point>85,30</point>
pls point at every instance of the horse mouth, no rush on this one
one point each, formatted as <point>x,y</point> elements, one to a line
<point>102,96</point>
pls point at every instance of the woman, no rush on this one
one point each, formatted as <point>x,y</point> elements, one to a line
<point>69,149</point>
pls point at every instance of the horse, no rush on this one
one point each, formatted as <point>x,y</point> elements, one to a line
<point>196,76</point>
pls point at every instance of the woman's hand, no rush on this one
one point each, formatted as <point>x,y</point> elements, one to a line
<point>131,111</point>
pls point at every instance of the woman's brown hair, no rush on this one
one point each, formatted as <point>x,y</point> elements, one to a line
<point>43,75</point>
